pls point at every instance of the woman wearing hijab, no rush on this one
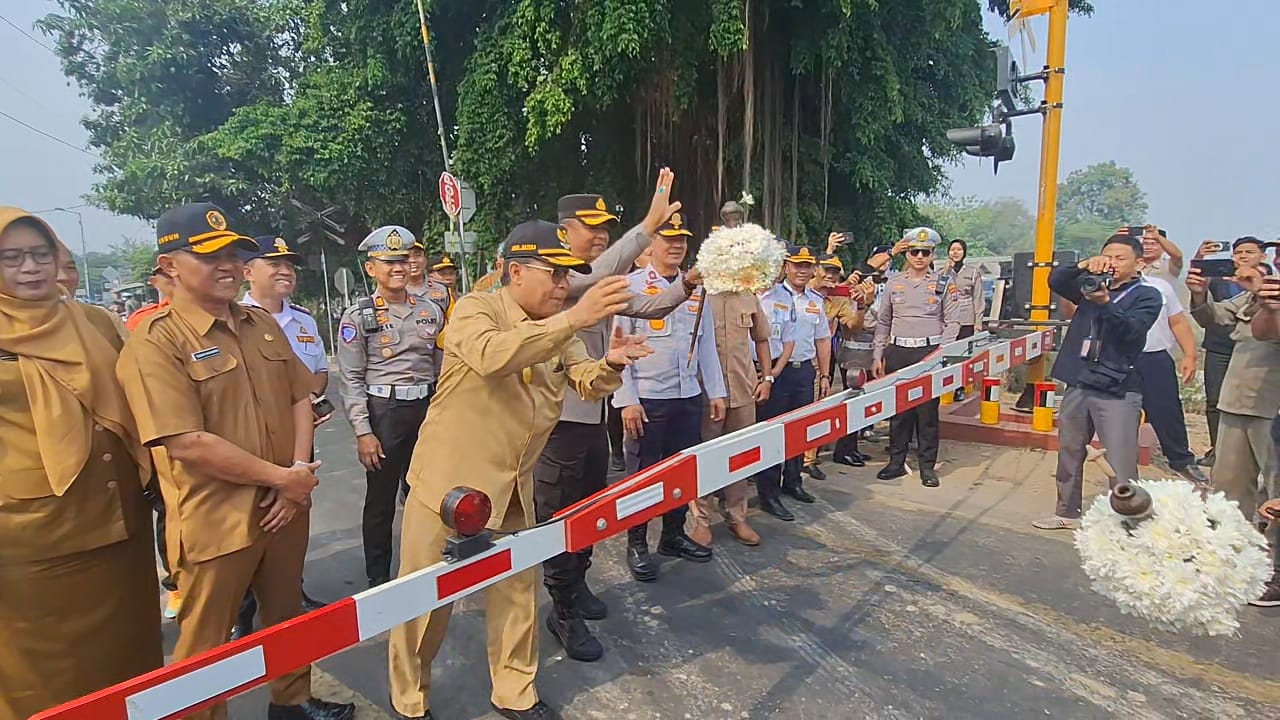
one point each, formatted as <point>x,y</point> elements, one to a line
<point>79,610</point>
<point>968,281</point>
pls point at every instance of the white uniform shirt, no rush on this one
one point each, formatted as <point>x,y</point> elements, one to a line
<point>667,374</point>
<point>803,310</point>
<point>303,334</point>
<point>1160,336</point>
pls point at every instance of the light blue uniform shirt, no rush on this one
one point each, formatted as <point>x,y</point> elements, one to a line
<point>303,334</point>
<point>667,374</point>
<point>806,315</point>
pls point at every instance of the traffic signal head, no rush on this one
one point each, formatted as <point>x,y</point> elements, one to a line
<point>1006,77</point>
<point>978,141</point>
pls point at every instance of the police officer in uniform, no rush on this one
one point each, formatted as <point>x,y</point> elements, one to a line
<point>793,302</point>
<point>423,285</point>
<point>442,269</point>
<point>855,361</point>
<point>272,276</point>
<point>388,360</point>
<point>843,318</point>
<point>920,311</point>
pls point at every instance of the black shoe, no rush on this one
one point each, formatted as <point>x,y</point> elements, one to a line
<point>312,709</point>
<point>774,507</point>
<point>310,604</point>
<point>682,546</point>
<point>401,716</point>
<point>928,477</point>
<point>578,642</point>
<point>1207,460</point>
<point>865,458</point>
<point>815,472</point>
<point>640,563</point>
<point>539,711</point>
<point>892,472</point>
<point>850,460</point>
<point>586,603</point>
<point>798,492</point>
<point>1193,473</point>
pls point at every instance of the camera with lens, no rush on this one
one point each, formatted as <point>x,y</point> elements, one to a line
<point>1093,282</point>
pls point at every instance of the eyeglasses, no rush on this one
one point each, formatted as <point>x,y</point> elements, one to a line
<point>919,252</point>
<point>558,275</point>
<point>14,257</point>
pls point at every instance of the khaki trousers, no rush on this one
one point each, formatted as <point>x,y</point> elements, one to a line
<point>213,590</point>
<point>1244,451</point>
<point>511,608</point>
<point>811,455</point>
<point>733,505</point>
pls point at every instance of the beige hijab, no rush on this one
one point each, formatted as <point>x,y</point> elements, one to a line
<point>68,370</point>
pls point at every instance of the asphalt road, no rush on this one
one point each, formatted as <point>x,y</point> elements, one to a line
<point>883,600</point>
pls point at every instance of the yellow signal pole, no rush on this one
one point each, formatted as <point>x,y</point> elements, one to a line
<point>1046,216</point>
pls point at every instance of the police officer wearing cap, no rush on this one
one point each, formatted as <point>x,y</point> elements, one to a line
<point>216,386</point>
<point>421,283</point>
<point>575,463</point>
<point>388,360</point>
<point>792,303</point>
<point>844,318</point>
<point>919,312</point>
<point>272,276</point>
<point>511,357</point>
<point>443,270</point>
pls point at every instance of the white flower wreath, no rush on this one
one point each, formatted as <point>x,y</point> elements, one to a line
<point>1190,566</point>
<point>745,258</point>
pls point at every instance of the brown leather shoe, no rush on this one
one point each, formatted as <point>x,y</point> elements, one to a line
<point>743,533</point>
<point>701,535</point>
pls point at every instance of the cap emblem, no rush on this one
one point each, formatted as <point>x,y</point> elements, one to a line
<point>563,236</point>
<point>600,205</point>
<point>923,235</point>
<point>394,241</point>
<point>281,246</point>
<point>676,221</point>
<point>215,220</point>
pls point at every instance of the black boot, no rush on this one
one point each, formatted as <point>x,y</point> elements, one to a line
<point>928,477</point>
<point>795,488</point>
<point>539,711</point>
<point>677,544</point>
<point>639,562</point>
<point>769,503</point>
<point>588,605</point>
<point>312,709</point>
<point>846,452</point>
<point>815,472</point>
<point>568,627</point>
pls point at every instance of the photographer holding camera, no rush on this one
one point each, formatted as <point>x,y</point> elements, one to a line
<point>1096,362</point>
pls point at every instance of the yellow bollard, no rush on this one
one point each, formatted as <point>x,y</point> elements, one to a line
<point>1046,401</point>
<point>990,414</point>
<point>948,397</point>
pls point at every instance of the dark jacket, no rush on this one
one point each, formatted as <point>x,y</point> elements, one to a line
<point>1122,326</point>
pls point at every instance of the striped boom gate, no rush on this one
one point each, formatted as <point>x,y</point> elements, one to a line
<point>228,670</point>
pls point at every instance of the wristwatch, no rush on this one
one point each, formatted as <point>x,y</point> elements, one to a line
<point>769,378</point>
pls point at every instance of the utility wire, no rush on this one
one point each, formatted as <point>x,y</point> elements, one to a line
<point>30,37</point>
<point>55,138</point>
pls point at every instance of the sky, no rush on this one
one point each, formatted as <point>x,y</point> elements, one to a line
<point>1177,91</point>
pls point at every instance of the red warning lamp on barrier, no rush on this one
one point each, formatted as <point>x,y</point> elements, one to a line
<point>466,511</point>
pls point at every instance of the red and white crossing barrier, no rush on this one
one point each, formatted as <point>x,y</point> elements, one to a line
<point>231,669</point>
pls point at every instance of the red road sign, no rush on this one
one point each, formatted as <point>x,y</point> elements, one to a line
<point>450,195</point>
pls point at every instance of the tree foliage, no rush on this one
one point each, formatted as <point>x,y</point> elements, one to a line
<point>1001,227</point>
<point>1103,191</point>
<point>831,113</point>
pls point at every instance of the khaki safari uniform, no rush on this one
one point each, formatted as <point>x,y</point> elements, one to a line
<point>842,317</point>
<point>79,609</point>
<point>504,379</point>
<point>968,283</point>
<point>1248,404</point>
<point>739,323</point>
<point>185,371</point>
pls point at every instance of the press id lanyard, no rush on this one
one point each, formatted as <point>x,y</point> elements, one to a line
<point>1091,349</point>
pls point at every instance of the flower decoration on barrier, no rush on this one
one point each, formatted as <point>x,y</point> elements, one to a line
<point>1181,560</point>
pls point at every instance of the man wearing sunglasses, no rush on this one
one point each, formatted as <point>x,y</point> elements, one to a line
<point>388,360</point>
<point>921,311</point>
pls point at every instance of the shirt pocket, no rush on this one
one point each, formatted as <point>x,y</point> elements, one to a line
<point>381,339</point>
<point>660,327</point>
<point>746,320</point>
<point>209,369</point>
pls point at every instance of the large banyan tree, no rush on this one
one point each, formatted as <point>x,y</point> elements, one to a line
<point>830,113</point>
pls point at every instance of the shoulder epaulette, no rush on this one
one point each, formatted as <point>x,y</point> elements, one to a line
<point>300,308</point>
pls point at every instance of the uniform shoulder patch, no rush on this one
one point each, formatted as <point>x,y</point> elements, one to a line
<point>300,308</point>
<point>348,333</point>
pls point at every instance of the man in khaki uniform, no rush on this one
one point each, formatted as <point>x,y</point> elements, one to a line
<point>842,317</point>
<point>217,385</point>
<point>739,324</point>
<point>510,356</point>
<point>1248,404</point>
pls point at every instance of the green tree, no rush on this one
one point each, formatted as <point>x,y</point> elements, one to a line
<point>1102,191</point>
<point>1002,226</point>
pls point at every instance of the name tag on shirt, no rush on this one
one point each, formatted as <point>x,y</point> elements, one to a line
<point>206,353</point>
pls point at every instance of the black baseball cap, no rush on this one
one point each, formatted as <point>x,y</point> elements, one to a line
<point>801,254</point>
<point>441,262</point>
<point>590,209</point>
<point>540,240</point>
<point>200,228</point>
<point>675,226</point>
<point>273,246</point>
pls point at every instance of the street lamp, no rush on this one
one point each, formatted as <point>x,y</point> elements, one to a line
<point>84,251</point>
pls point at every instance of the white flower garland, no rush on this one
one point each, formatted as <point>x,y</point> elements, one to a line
<point>745,258</point>
<point>1191,566</point>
